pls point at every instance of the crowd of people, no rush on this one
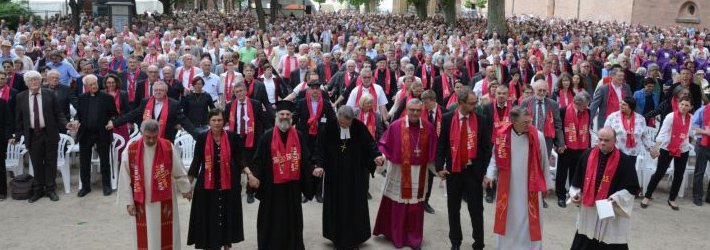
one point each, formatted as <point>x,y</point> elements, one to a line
<point>313,106</point>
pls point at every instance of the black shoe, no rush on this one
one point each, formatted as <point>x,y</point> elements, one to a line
<point>304,199</point>
<point>429,209</point>
<point>250,198</point>
<point>83,192</point>
<point>35,197</point>
<point>369,196</point>
<point>676,208</point>
<point>107,191</point>
<point>544,204</point>
<point>562,203</point>
<point>52,196</point>
<point>698,202</point>
<point>319,198</point>
<point>489,198</point>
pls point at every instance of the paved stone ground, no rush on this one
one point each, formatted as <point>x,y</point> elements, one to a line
<point>96,222</point>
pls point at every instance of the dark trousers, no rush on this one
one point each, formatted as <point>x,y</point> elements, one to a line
<point>664,161</point>
<point>703,156</point>
<point>467,183</point>
<point>430,182</point>
<point>43,154</point>
<point>247,155</point>
<point>86,143</point>
<point>566,166</point>
<point>3,171</point>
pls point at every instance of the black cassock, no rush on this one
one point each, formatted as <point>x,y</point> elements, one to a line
<point>216,215</point>
<point>625,178</point>
<point>348,165</point>
<point>279,223</point>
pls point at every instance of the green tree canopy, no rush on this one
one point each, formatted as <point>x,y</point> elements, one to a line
<point>11,13</point>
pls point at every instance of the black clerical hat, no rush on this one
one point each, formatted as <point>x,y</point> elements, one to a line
<point>284,105</point>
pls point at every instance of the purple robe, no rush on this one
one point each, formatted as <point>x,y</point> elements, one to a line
<point>390,143</point>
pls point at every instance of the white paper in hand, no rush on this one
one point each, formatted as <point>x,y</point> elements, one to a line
<point>605,209</point>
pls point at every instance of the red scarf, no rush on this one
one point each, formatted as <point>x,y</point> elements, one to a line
<point>161,190</point>
<point>674,104</point>
<point>549,129</point>
<point>117,100</point>
<point>388,79</point>
<point>536,181</point>
<point>425,80</point>
<point>328,74</point>
<point>347,79</point>
<point>250,90</point>
<point>548,78</point>
<point>679,132</point>
<point>132,85</point>
<point>370,90</point>
<point>468,145</point>
<point>612,104</point>
<point>566,97</point>
<point>225,156</point>
<point>314,116</point>
<point>576,129</point>
<point>452,100</point>
<point>470,68</point>
<point>228,80</point>
<point>249,143</point>
<point>368,117</point>
<point>705,140</point>
<point>514,90</point>
<point>5,93</point>
<point>500,120</point>
<point>423,147</point>
<point>629,127</point>
<point>590,177</point>
<point>445,85</point>
<point>286,158</point>
<point>484,90</point>
<point>163,120</point>
<point>189,80</point>
<point>161,182</point>
<point>113,63</point>
<point>287,70</point>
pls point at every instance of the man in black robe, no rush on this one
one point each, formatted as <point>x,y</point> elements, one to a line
<point>347,150</point>
<point>279,223</point>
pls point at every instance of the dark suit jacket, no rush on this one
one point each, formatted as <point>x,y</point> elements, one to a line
<point>338,86</point>
<point>321,70</point>
<point>483,140</point>
<point>599,102</point>
<point>382,75</point>
<point>5,123</point>
<point>504,74</point>
<point>175,117</point>
<point>434,73</point>
<point>302,114</point>
<point>124,79</point>
<point>106,110</point>
<point>54,119</point>
<point>262,121</point>
<point>65,96</point>
<point>11,106</point>
<point>295,77</point>
<point>176,90</point>
<point>439,89</point>
<point>101,79</point>
<point>555,108</point>
<point>696,95</point>
<point>282,87</point>
<point>19,83</point>
<point>260,96</point>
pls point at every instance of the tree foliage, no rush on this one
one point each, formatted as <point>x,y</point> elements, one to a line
<point>481,3</point>
<point>12,12</point>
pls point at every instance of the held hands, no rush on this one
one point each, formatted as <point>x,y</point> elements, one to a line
<point>561,149</point>
<point>487,182</point>
<point>379,161</point>
<point>253,181</point>
<point>131,210</point>
<point>109,125</point>
<point>443,174</point>
<point>187,196</point>
<point>318,172</point>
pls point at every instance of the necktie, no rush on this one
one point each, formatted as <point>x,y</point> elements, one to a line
<point>242,127</point>
<point>463,143</point>
<point>35,110</point>
<point>431,116</point>
<point>540,116</point>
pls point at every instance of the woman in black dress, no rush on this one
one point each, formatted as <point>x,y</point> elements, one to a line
<point>216,215</point>
<point>197,104</point>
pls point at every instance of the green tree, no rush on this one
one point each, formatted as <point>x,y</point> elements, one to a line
<point>496,17</point>
<point>12,12</point>
<point>481,3</point>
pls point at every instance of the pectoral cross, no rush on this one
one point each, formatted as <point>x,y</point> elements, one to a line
<point>342,148</point>
<point>417,151</point>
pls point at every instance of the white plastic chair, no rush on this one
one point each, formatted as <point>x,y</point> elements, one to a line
<point>186,147</point>
<point>116,146</point>
<point>15,157</point>
<point>63,165</point>
<point>135,132</point>
<point>554,160</point>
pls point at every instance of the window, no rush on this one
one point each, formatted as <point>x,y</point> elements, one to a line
<point>686,13</point>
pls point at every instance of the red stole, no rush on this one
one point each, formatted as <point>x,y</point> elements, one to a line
<point>549,129</point>
<point>590,177</point>
<point>548,78</point>
<point>467,145</point>
<point>117,100</point>
<point>674,104</point>
<point>484,89</point>
<point>370,90</point>
<point>161,190</point>
<point>629,127</point>
<point>314,116</point>
<point>287,67</point>
<point>189,80</point>
<point>452,100</point>
<point>163,120</point>
<point>679,132</point>
<point>536,181</point>
<point>421,151</point>
<point>445,85</point>
<point>500,120</point>
<point>612,103</point>
<point>328,74</point>
<point>368,117</point>
<point>225,157</point>
<point>286,157</point>
<point>347,79</point>
<point>5,93</point>
<point>249,143</point>
<point>514,90</point>
<point>576,129</point>
<point>228,82</point>
<point>388,79</point>
<point>113,63</point>
<point>566,98</point>
<point>470,68</point>
<point>132,85</point>
<point>250,88</point>
<point>425,80</point>
<point>705,140</point>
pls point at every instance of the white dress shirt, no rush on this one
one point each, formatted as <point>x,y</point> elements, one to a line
<point>212,85</point>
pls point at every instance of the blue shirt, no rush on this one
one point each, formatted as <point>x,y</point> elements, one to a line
<point>66,72</point>
<point>640,97</point>
<point>698,121</point>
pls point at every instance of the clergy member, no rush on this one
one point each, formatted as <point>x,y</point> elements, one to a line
<point>520,164</point>
<point>347,150</point>
<point>604,174</point>
<point>151,176</point>
<point>281,170</point>
<point>410,146</point>
<point>465,149</point>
